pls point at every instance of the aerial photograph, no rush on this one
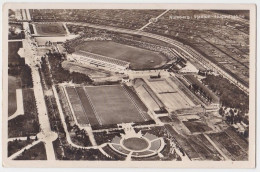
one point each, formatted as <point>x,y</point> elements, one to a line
<point>128,85</point>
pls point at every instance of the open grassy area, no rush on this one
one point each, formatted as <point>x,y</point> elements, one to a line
<point>138,58</point>
<point>13,84</point>
<point>37,152</point>
<point>27,124</point>
<point>112,105</point>
<point>50,29</point>
<point>16,145</point>
<point>196,126</point>
<point>13,48</point>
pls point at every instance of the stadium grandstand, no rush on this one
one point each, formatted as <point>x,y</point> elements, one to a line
<point>99,60</point>
<point>192,82</point>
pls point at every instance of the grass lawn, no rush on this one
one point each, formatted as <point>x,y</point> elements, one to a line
<point>112,105</point>
<point>50,29</point>
<point>13,84</point>
<point>37,152</point>
<point>13,48</point>
<point>27,124</point>
<point>138,58</point>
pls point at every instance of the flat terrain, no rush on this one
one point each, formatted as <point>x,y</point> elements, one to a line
<point>138,58</point>
<point>229,146</point>
<point>112,105</point>
<point>27,124</point>
<point>104,105</point>
<point>13,84</point>
<point>50,29</point>
<point>37,152</point>
<point>13,48</point>
<point>135,143</point>
<point>77,106</point>
<point>170,95</point>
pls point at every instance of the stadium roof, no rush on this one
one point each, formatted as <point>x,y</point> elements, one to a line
<point>102,58</point>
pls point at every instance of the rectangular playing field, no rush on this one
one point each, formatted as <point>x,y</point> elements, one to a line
<point>50,29</point>
<point>169,94</point>
<point>104,105</point>
<point>112,105</point>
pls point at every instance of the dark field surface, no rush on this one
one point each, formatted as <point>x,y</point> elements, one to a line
<point>87,106</point>
<point>138,58</point>
<point>80,113</point>
<point>16,145</point>
<point>13,84</point>
<point>196,147</point>
<point>27,124</point>
<point>229,146</point>
<point>112,105</point>
<point>50,29</point>
<point>135,143</point>
<point>13,48</point>
<point>37,152</point>
<point>195,126</point>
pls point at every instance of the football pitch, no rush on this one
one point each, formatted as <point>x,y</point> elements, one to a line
<point>50,29</point>
<point>104,105</point>
<point>139,58</point>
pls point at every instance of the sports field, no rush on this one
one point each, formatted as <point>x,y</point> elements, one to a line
<point>50,29</point>
<point>138,58</point>
<point>104,105</point>
<point>169,94</point>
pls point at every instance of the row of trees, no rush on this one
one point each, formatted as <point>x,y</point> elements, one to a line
<point>230,95</point>
<point>59,74</point>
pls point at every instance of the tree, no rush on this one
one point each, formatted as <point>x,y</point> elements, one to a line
<point>28,138</point>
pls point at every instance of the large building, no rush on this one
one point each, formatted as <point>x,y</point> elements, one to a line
<point>99,60</point>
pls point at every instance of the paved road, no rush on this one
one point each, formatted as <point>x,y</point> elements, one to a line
<point>184,48</point>
<point>46,135</point>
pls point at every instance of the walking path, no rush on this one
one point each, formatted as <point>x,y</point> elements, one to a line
<point>150,21</point>
<point>46,134</point>
<point>22,150</point>
<point>91,136</point>
<point>19,102</point>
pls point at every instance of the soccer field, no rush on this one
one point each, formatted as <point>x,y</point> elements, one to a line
<point>104,105</point>
<point>50,29</point>
<point>138,58</point>
<point>170,95</point>
<point>112,105</point>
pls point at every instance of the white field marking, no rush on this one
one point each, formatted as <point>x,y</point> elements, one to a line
<point>216,147</point>
<point>65,125</point>
<point>93,107</point>
<point>70,105</point>
<point>155,18</point>
<point>173,85</point>
<point>136,106</point>
<point>19,104</point>
<point>81,105</point>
